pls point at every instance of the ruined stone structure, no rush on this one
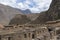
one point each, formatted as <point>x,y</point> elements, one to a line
<point>24,33</point>
<point>54,29</point>
<point>48,31</point>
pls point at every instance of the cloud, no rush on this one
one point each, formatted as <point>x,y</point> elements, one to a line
<point>8,2</point>
<point>33,5</point>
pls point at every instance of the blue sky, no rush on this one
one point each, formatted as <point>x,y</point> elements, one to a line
<point>35,6</point>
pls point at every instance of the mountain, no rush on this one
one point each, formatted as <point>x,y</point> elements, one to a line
<point>54,10</point>
<point>52,14</point>
<point>32,16</point>
<point>23,19</point>
<point>19,19</point>
<point>42,17</point>
<point>7,13</point>
<point>27,11</point>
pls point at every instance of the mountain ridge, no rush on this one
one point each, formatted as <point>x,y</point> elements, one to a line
<point>52,14</point>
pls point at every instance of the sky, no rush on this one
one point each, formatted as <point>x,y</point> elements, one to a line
<point>35,6</point>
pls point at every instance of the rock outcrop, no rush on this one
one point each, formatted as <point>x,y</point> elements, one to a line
<point>54,11</point>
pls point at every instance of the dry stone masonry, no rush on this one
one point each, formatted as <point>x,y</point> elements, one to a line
<point>48,31</point>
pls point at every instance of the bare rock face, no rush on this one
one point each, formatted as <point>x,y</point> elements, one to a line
<point>54,11</point>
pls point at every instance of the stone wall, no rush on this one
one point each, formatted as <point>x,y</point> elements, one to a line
<point>40,33</point>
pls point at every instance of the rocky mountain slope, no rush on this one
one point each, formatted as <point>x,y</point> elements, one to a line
<point>32,16</point>
<point>54,10</point>
<point>7,13</point>
<point>27,11</point>
<point>23,19</point>
<point>11,16</point>
<point>52,14</point>
<point>19,19</point>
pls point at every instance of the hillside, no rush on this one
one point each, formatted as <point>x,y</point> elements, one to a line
<point>54,10</point>
<point>7,13</point>
<point>19,19</point>
<point>32,16</point>
<point>42,17</point>
<point>27,11</point>
<point>52,14</point>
